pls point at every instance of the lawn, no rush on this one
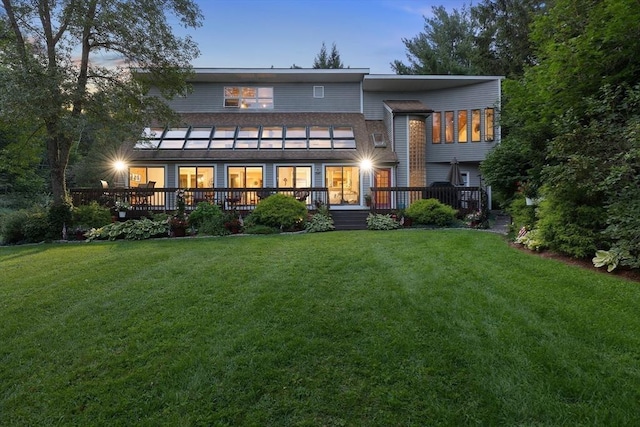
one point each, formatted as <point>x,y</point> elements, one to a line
<point>408,327</point>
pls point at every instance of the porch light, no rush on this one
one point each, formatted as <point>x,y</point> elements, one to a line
<point>366,164</point>
<point>119,165</point>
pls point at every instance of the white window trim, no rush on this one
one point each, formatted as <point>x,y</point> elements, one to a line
<point>318,91</point>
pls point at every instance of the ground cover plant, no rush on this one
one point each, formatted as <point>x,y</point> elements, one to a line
<point>376,328</point>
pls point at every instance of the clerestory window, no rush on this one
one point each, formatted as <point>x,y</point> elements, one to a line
<point>252,98</point>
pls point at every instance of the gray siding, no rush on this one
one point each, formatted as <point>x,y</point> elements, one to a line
<point>440,172</point>
<point>287,98</point>
<point>401,144</point>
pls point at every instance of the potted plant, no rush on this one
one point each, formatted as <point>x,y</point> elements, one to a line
<point>178,223</point>
<point>122,207</point>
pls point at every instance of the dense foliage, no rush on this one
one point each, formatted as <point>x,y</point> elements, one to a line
<point>382,222</point>
<point>280,211</point>
<point>431,212</point>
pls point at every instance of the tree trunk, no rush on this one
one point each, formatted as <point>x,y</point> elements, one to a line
<point>58,149</point>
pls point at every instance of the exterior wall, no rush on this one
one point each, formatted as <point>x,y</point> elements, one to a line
<point>438,172</point>
<point>287,98</point>
<point>401,146</point>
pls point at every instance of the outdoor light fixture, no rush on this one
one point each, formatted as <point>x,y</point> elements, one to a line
<point>366,164</point>
<point>119,165</point>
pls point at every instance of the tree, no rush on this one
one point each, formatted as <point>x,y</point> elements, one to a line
<point>502,45</point>
<point>445,46</point>
<point>71,65</point>
<point>324,60</point>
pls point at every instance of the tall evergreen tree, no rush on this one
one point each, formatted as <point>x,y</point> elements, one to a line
<point>324,60</point>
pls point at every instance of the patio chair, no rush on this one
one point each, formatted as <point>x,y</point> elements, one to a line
<point>301,195</point>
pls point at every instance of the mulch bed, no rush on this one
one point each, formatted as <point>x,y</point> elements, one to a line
<point>625,273</point>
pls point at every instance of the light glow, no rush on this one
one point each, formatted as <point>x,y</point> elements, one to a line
<point>366,164</point>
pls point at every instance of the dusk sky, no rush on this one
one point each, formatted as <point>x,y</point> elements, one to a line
<point>280,33</point>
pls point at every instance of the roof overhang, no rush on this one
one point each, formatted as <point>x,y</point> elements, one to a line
<point>278,75</point>
<point>412,83</point>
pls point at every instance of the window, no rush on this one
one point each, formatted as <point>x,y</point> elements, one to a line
<point>195,177</point>
<point>488,124</point>
<point>463,135</point>
<point>198,138</point>
<point>295,137</point>
<point>475,125</point>
<point>245,176</point>
<point>343,183</point>
<point>448,127</point>
<point>247,137</point>
<point>252,98</point>
<point>294,176</point>
<point>319,137</point>
<point>417,161</point>
<point>151,138</point>
<point>174,138</point>
<point>223,137</point>
<point>436,129</point>
<point>271,137</point>
<point>343,137</point>
<point>318,91</point>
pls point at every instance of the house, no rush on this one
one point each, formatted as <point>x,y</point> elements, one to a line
<point>344,131</point>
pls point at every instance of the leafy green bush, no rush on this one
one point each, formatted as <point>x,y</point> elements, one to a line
<point>36,227</point>
<point>212,226</point>
<point>382,222</point>
<point>319,222</point>
<point>280,211</point>
<point>521,214</point>
<point>91,216</point>
<point>204,212</point>
<point>133,229</point>
<point>571,228</point>
<point>59,216</point>
<point>431,212</point>
<point>260,229</point>
<point>25,226</point>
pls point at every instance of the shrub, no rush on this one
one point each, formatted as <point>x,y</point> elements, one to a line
<point>213,226</point>
<point>260,229</point>
<point>91,216</point>
<point>133,229</point>
<point>204,212</point>
<point>59,217</point>
<point>280,211</point>
<point>319,222</point>
<point>382,222</point>
<point>521,214</point>
<point>25,226</point>
<point>431,212</point>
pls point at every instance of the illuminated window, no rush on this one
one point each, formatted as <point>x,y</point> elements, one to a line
<point>343,183</point>
<point>448,127</point>
<point>245,176</point>
<point>251,98</point>
<point>488,124</point>
<point>463,135</point>
<point>475,125</point>
<point>436,129</point>
<point>195,177</point>
<point>294,176</point>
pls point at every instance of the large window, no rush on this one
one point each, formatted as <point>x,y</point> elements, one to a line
<point>475,125</point>
<point>195,177</point>
<point>251,98</point>
<point>313,137</point>
<point>294,176</point>
<point>245,176</point>
<point>463,134</point>
<point>448,127</point>
<point>488,124</point>
<point>436,134</point>
<point>343,183</point>
<point>140,175</point>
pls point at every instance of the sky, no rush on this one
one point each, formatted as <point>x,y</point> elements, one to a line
<point>280,33</point>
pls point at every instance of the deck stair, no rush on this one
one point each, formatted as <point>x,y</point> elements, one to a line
<point>350,219</point>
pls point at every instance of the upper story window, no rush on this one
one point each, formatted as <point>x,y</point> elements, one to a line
<point>488,124</point>
<point>252,98</point>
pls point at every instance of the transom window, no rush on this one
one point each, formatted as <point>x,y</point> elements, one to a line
<point>249,137</point>
<point>252,98</point>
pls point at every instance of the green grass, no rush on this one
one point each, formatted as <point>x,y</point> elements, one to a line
<point>410,327</point>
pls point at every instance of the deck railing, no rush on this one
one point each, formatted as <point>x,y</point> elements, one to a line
<point>464,199</point>
<point>383,199</point>
<point>144,200</point>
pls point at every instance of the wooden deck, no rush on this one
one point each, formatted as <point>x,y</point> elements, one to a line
<point>145,201</point>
